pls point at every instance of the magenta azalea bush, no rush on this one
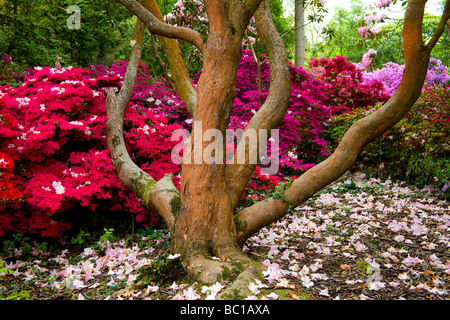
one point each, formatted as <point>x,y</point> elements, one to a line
<point>333,87</point>
<point>53,128</point>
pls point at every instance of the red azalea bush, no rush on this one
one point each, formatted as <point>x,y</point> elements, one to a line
<point>345,85</point>
<point>53,127</point>
<point>9,194</point>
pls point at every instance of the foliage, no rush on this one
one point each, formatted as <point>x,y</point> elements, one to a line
<point>35,32</point>
<point>340,35</point>
<point>53,128</point>
<point>417,147</point>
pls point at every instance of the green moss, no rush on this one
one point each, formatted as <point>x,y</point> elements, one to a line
<point>116,141</point>
<point>230,274</point>
<point>234,295</point>
<point>175,205</point>
<point>240,226</point>
<point>162,272</point>
<point>118,167</point>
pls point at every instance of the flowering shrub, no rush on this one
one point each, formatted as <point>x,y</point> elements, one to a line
<point>391,75</point>
<point>9,194</point>
<point>344,83</point>
<point>53,127</point>
<point>417,147</point>
<point>148,91</point>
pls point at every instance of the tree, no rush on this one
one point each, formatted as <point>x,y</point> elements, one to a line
<point>202,217</point>
<point>300,45</point>
<point>317,10</point>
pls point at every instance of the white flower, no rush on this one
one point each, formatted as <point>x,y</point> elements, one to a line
<point>57,185</point>
<point>306,282</point>
<point>151,289</point>
<point>253,288</point>
<point>132,43</point>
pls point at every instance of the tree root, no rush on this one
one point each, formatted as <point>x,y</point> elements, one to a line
<point>236,272</point>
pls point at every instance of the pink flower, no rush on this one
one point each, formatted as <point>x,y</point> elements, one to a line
<point>383,3</point>
<point>191,294</point>
<point>273,273</point>
<point>367,59</point>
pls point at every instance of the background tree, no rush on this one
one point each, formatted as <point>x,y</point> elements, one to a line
<point>203,218</point>
<point>314,11</point>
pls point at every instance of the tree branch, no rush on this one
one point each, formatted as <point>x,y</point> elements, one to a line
<point>179,74</point>
<point>445,19</point>
<point>360,133</point>
<point>158,27</point>
<point>130,175</point>
<point>272,112</point>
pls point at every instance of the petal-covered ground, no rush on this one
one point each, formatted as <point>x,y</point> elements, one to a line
<point>360,238</point>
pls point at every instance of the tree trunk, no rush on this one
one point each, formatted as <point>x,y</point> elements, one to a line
<point>300,40</point>
<point>205,225</point>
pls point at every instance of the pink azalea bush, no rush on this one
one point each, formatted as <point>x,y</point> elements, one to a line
<point>53,128</point>
<point>391,75</point>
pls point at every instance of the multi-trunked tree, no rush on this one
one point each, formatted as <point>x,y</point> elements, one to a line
<point>203,217</point>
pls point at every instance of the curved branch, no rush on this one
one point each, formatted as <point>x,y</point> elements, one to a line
<point>179,74</point>
<point>130,175</point>
<point>445,20</point>
<point>272,112</point>
<point>155,195</point>
<point>360,133</point>
<point>160,28</point>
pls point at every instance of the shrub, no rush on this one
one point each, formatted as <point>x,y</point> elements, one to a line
<point>345,85</point>
<point>391,75</point>
<point>53,127</point>
<point>417,148</point>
